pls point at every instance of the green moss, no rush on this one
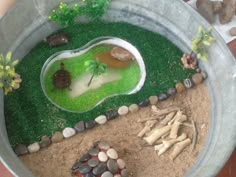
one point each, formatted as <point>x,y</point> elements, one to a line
<point>29,114</point>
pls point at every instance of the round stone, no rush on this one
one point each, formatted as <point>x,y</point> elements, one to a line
<point>89,175</point>
<point>179,87</point>
<point>112,166</point>
<point>144,103</point>
<point>112,114</point>
<point>85,158</point>
<point>153,100</point>
<point>204,74</point>
<point>171,91</point>
<point>101,168</point>
<point>45,141</point>
<point>103,145</point>
<point>68,132</point>
<point>198,70</point>
<point>101,120</point>
<point>117,175</point>
<point>107,174</point>
<point>121,54</point>
<point>123,110</point>
<point>57,137</point>
<point>21,149</point>
<point>83,169</point>
<point>102,157</point>
<point>197,78</point>
<point>93,162</point>
<point>76,166</point>
<point>124,173</point>
<point>162,97</point>
<point>121,163</point>
<point>34,147</point>
<point>90,124</point>
<point>188,83</point>
<point>93,152</point>
<point>133,108</point>
<point>80,126</point>
<point>112,153</point>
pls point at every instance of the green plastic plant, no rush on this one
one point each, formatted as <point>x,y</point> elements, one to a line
<point>65,14</point>
<point>200,44</point>
<point>9,79</point>
<point>96,68</point>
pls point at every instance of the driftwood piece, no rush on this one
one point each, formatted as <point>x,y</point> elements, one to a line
<point>156,134</point>
<point>177,115</point>
<point>148,125</point>
<point>161,112</point>
<point>152,117</point>
<point>162,148</point>
<point>195,133</point>
<point>175,127</point>
<point>179,147</point>
<point>167,119</point>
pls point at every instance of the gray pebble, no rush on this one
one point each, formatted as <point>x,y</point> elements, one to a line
<point>80,126</point>
<point>171,91</point>
<point>144,103</point>
<point>112,166</point>
<point>107,174</point>
<point>83,169</point>
<point>21,149</point>
<point>85,158</point>
<point>104,145</point>
<point>124,173</point>
<point>162,97</point>
<point>93,152</point>
<point>101,168</point>
<point>90,124</point>
<point>45,142</point>
<point>93,162</point>
<point>112,114</point>
<point>76,166</point>
<point>204,74</point>
<point>188,83</point>
<point>89,175</point>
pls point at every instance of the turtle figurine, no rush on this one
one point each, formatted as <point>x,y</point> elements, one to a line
<point>61,78</point>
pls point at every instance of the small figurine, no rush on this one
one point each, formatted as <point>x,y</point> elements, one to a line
<point>189,61</point>
<point>57,39</point>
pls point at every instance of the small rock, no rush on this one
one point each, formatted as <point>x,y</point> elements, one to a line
<point>204,74</point>
<point>112,114</point>
<point>197,78</point>
<point>153,100</point>
<point>232,31</point>
<point>57,39</point>
<point>85,158</point>
<point>80,126</point>
<point>83,169</point>
<point>112,166</point>
<point>76,166</point>
<point>68,132</point>
<point>162,97</point>
<point>117,175</point>
<point>90,124</point>
<point>89,175</point>
<point>171,91</point>
<point>123,110</point>
<point>206,10</point>
<point>217,6</point>
<point>107,174</point>
<point>144,103</point>
<point>57,137</point>
<point>121,163</point>
<point>112,153</point>
<point>101,168</point>
<point>101,119</point>
<point>124,173</point>
<point>102,157</point>
<point>93,152</point>
<point>103,145</point>
<point>179,87</point>
<point>34,147</point>
<point>198,70</point>
<point>188,83</point>
<point>93,162</point>
<point>121,54</point>
<point>133,108</point>
<point>45,141</point>
<point>21,149</point>
<point>227,12</point>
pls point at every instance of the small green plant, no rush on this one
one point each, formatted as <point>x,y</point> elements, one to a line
<point>65,14</point>
<point>9,79</point>
<point>200,43</point>
<point>96,68</point>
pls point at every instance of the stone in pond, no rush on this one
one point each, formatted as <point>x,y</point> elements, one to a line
<point>93,162</point>
<point>179,87</point>
<point>101,120</point>
<point>133,108</point>
<point>90,124</point>
<point>124,173</point>
<point>61,78</point>
<point>112,166</point>
<point>123,110</point>
<point>112,153</point>
<point>121,163</point>
<point>34,147</point>
<point>57,137</point>
<point>144,103</point>
<point>171,91</point>
<point>45,141</point>
<point>112,114</point>
<point>101,168</point>
<point>188,83</point>
<point>121,54</point>
<point>80,126</point>
<point>68,132</point>
<point>85,158</point>
<point>107,174</point>
<point>153,100</point>
<point>83,169</point>
<point>102,156</point>
<point>93,152</point>
<point>21,149</point>
<point>103,145</point>
<point>197,78</point>
<point>162,97</point>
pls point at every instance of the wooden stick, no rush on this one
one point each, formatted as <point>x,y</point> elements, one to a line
<point>165,111</point>
<point>175,127</point>
<point>179,147</point>
<point>148,125</point>
<point>167,119</point>
<point>195,133</point>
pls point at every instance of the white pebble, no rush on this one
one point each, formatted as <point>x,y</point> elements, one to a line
<point>102,157</point>
<point>117,175</point>
<point>101,119</point>
<point>121,163</point>
<point>112,153</point>
<point>34,147</point>
<point>123,110</point>
<point>68,132</point>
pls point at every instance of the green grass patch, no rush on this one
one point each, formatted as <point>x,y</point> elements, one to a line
<point>29,114</point>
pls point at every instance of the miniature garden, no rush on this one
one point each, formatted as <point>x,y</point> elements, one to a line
<point>68,87</point>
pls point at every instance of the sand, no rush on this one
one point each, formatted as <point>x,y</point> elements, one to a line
<point>121,133</point>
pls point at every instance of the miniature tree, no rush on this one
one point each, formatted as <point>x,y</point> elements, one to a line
<point>9,79</point>
<point>96,68</point>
